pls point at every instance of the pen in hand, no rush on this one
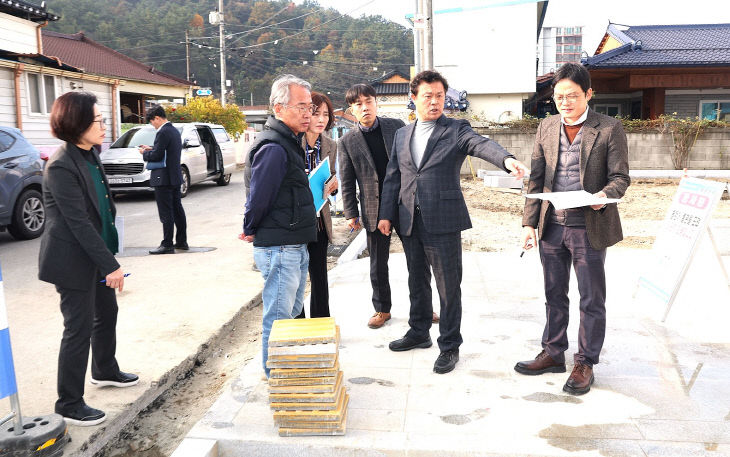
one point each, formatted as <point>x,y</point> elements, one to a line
<point>527,246</point>
<point>125,275</point>
<point>357,221</point>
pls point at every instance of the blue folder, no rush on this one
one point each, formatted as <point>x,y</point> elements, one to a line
<point>316,183</point>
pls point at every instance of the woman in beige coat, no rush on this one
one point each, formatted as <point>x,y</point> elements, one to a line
<point>318,146</point>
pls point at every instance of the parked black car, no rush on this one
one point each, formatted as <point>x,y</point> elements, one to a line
<point>22,211</point>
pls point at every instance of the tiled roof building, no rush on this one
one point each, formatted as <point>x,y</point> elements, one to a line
<point>81,52</point>
<point>648,70</point>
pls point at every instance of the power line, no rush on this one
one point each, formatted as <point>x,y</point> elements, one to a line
<point>305,31</point>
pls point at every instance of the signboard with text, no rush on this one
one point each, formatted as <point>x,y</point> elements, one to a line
<point>676,243</point>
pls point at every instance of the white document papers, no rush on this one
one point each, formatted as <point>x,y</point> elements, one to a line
<point>572,199</point>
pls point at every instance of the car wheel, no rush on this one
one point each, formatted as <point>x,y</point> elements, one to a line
<point>29,216</point>
<point>224,180</point>
<point>186,182</point>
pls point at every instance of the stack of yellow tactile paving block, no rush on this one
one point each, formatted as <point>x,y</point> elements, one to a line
<point>306,390</point>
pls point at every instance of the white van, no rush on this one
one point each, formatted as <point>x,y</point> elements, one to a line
<point>207,155</point>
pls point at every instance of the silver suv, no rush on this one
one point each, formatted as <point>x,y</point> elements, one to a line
<point>22,211</point>
<point>208,155</point>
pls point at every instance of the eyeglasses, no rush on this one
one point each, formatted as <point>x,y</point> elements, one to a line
<point>303,108</point>
<point>102,122</point>
<point>570,99</point>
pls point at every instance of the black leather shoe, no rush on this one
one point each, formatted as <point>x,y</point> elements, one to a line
<point>182,247</point>
<point>121,379</point>
<point>407,343</point>
<point>163,250</point>
<point>83,416</point>
<point>446,361</point>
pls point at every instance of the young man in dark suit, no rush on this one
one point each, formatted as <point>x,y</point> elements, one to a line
<point>578,150</point>
<point>422,192</point>
<point>166,181</point>
<point>363,157</point>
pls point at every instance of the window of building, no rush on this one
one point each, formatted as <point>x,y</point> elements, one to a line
<point>41,92</point>
<point>609,109</point>
<point>716,110</point>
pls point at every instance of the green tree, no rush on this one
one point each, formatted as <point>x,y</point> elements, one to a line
<point>209,109</point>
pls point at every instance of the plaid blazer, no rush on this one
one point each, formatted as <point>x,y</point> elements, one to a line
<point>357,166</point>
<point>604,166</point>
<point>436,181</point>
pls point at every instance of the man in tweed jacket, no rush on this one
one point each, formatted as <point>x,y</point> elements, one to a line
<point>363,157</point>
<point>578,150</point>
<point>422,192</point>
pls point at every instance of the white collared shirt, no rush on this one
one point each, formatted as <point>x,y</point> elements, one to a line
<point>580,120</point>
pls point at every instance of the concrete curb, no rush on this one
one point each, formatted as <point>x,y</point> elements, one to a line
<point>115,425</point>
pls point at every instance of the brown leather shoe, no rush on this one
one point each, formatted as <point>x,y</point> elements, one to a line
<point>580,380</point>
<point>435,318</point>
<point>543,363</point>
<point>378,320</point>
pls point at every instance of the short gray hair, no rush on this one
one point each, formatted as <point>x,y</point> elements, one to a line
<point>280,92</point>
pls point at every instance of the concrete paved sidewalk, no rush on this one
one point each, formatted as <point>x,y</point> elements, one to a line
<point>168,317</point>
<point>661,389</point>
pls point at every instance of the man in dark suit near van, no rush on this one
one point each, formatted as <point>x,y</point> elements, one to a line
<point>166,181</point>
<point>422,192</point>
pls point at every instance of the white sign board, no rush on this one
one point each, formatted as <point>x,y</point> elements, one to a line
<point>677,241</point>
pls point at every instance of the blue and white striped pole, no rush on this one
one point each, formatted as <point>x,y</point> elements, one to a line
<point>8,385</point>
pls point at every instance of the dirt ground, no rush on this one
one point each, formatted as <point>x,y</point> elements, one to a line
<point>496,217</point>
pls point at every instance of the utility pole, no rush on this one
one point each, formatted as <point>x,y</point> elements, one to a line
<point>223,53</point>
<point>428,35</point>
<point>187,56</point>
<point>418,24</point>
<point>416,38</point>
<point>187,61</point>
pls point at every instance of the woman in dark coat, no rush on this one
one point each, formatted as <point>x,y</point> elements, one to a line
<point>77,256</point>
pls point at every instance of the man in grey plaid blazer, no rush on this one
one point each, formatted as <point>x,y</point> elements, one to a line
<point>422,195</point>
<point>363,157</point>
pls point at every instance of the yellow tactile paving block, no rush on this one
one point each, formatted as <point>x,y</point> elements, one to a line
<point>288,373</point>
<point>305,385</point>
<point>303,349</point>
<point>288,332</point>
<point>303,358</point>
<point>314,428</point>
<point>317,402</point>
<point>333,415</point>
<point>301,363</point>
<point>305,397</point>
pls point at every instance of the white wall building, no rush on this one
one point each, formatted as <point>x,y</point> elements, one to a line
<point>488,51</point>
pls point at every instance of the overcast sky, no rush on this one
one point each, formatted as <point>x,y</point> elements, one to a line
<point>594,15</point>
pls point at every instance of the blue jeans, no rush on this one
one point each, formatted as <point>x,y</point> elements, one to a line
<point>284,269</point>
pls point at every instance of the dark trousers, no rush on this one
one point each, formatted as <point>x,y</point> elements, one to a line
<point>319,299</point>
<point>379,249</point>
<point>559,247</point>
<point>88,317</point>
<point>172,214</point>
<point>442,253</point>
